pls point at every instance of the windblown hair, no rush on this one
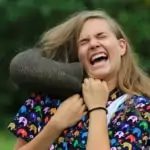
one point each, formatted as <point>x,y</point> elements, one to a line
<point>60,43</point>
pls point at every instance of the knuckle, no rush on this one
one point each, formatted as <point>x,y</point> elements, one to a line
<point>76,95</point>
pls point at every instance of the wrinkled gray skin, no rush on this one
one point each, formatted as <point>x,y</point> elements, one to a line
<point>33,72</point>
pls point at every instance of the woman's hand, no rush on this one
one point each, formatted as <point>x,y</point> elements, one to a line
<point>95,93</point>
<point>70,112</point>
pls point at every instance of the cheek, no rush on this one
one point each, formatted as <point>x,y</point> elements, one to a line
<point>116,60</point>
<point>114,50</point>
<point>115,57</point>
<point>82,55</point>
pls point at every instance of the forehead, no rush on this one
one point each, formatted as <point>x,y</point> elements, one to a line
<point>95,25</point>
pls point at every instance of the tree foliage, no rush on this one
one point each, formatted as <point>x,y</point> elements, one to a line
<point>22,22</point>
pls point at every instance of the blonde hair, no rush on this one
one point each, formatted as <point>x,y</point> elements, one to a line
<point>60,43</point>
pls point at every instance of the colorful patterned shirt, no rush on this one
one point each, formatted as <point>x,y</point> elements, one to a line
<point>129,128</point>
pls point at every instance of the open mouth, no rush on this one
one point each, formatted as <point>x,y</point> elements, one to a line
<point>98,58</point>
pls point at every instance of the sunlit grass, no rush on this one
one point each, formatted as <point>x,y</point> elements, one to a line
<point>6,140</point>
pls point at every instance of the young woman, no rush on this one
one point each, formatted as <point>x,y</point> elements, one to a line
<point>113,82</point>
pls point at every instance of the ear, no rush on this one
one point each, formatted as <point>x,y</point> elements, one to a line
<point>123,46</point>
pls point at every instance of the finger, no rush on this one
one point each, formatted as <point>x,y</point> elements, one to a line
<point>97,80</point>
<point>91,80</point>
<point>85,113</point>
<point>81,101</point>
<point>105,85</point>
<point>86,80</point>
<point>84,107</point>
<point>75,96</point>
<point>83,85</point>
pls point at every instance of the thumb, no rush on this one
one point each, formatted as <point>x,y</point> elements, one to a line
<point>105,85</point>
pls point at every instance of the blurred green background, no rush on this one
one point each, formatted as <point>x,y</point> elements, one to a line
<point>22,22</point>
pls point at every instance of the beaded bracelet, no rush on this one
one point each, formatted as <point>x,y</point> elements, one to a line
<point>98,108</point>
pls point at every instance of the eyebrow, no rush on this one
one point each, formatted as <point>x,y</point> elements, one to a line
<point>82,39</point>
<point>85,38</point>
<point>101,33</point>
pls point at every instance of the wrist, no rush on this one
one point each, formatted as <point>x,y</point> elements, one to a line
<point>98,109</point>
<point>98,116</point>
<point>97,105</point>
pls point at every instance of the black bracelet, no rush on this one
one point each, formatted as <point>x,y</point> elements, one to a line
<point>97,108</point>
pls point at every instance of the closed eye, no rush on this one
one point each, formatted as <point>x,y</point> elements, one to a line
<point>101,35</point>
<point>83,41</point>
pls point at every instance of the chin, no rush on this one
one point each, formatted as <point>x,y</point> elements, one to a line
<point>101,73</point>
<point>101,76</point>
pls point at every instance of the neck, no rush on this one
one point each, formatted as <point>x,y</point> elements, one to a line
<point>111,83</point>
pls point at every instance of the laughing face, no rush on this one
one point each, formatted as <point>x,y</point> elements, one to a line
<point>99,50</point>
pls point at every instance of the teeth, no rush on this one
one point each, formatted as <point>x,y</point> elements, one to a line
<point>98,56</point>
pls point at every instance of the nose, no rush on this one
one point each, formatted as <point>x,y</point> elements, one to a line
<point>94,43</point>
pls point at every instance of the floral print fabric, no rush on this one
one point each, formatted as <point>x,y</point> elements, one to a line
<point>129,128</point>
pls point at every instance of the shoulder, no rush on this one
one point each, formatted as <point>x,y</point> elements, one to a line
<point>136,108</point>
<point>34,104</point>
<point>142,104</point>
<point>33,115</point>
<point>131,123</point>
<point>141,100</point>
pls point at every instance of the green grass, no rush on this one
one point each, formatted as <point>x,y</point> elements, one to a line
<point>7,140</point>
